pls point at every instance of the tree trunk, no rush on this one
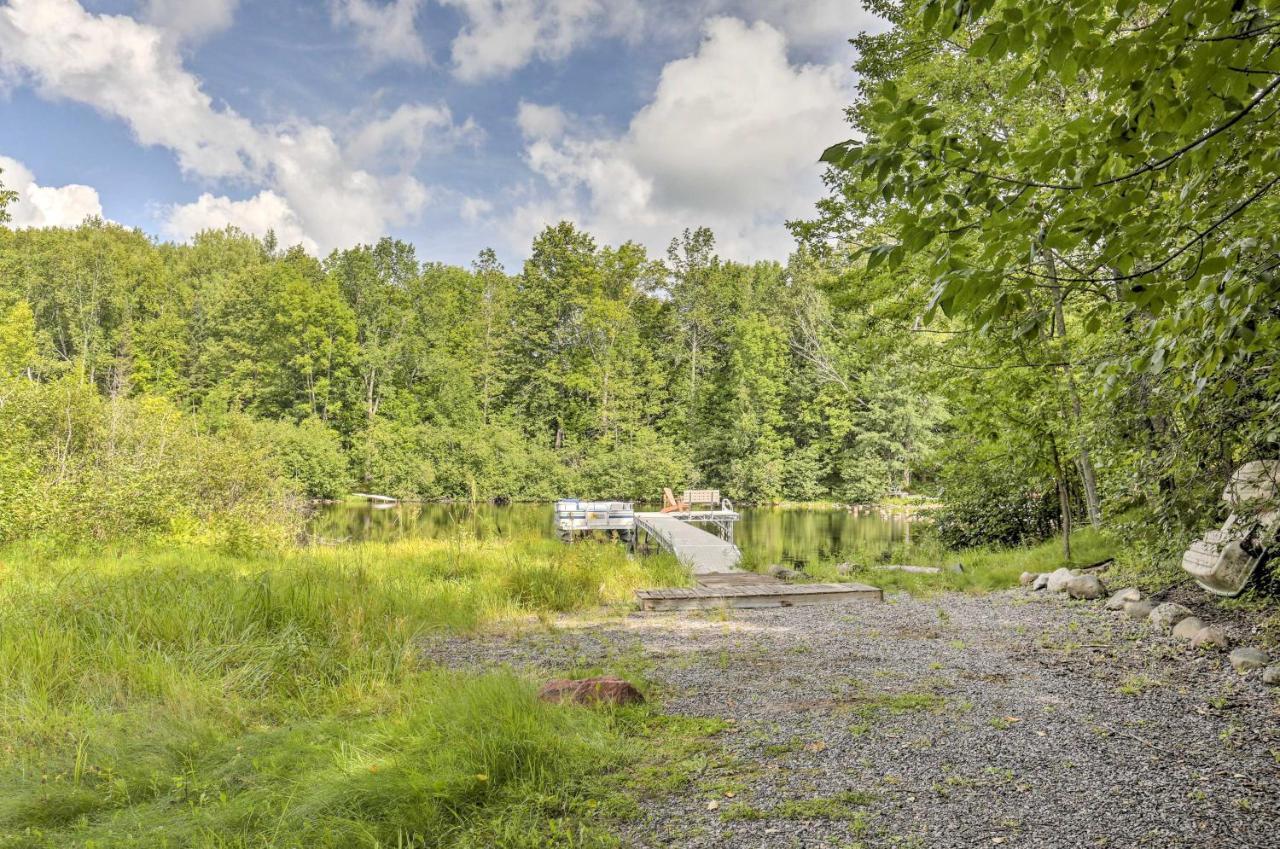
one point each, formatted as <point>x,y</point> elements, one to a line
<point>1064,498</point>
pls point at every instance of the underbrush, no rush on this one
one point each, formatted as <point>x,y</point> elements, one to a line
<point>190,698</point>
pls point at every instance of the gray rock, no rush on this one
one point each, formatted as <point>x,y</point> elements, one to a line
<point>1085,586</point>
<point>1210,637</point>
<point>1139,609</point>
<point>1271,675</point>
<point>1247,658</point>
<point>786,575</point>
<point>1026,579</point>
<point>1123,597</point>
<point>1041,581</point>
<point>844,568</point>
<point>1058,579</point>
<point>1187,628</point>
<point>1167,615</point>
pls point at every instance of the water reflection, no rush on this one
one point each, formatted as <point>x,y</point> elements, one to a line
<point>792,537</point>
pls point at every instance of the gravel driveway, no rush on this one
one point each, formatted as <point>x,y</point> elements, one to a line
<point>951,721</point>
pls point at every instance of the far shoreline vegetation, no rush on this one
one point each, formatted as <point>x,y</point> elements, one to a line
<point>1040,298</point>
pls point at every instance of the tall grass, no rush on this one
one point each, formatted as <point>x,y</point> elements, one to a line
<point>984,568</point>
<point>188,698</point>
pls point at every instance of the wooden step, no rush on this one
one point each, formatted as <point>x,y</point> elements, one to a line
<point>753,595</point>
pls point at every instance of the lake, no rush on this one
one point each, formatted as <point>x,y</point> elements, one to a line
<point>792,536</point>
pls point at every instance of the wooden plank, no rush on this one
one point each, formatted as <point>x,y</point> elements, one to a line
<point>758,596</point>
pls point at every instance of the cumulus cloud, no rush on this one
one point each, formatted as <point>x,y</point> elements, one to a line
<point>475,210</point>
<point>132,72</point>
<point>730,139</point>
<point>267,211</point>
<point>46,206</point>
<point>190,21</point>
<point>500,36</point>
<point>386,31</point>
<point>410,132</point>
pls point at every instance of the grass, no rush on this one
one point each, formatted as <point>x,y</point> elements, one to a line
<point>986,568</point>
<point>185,698</point>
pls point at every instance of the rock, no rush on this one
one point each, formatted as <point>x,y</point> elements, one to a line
<point>776,568</point>
<point>1026,579</point>
<point>1123,597</point>
<point>958,568</point>
<point>1085,586</point>
<point>844,568</point>
<point>1139,609</point>
<point>1040,582</point>
<point>1058,579</point>
<point>591,691</point>
<point>1247,658</point>
<point>1271,675</point>
<point>786,575</point>
<point>1187,628</point>
<point>1167,615</point>
<point>1210,637</point>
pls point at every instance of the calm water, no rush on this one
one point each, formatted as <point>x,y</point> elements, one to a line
<point>765,534</point>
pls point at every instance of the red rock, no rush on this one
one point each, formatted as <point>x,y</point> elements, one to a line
<point>590,691</point>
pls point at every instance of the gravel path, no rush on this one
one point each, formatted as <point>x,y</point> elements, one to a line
<point>952,721</point>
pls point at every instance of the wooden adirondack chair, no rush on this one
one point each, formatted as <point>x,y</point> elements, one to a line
<point>669,503</point>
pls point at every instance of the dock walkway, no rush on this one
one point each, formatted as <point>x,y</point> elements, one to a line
<point>720,582</point>
<point>702,551</point>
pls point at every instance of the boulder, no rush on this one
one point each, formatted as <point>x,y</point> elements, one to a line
<point>785,575</point>
<point>1167,615</point>
<point>1187,628</point>
<point>1210,637</point>
<point>1041,581</point>
<point>775,568</point>
<point>1058,579</point>
<point>591,691</point>
<point>844,568</point>
<point>1247,658</point>
<point>1085,586</point>
<point>1271,675</point>
<point>1139,609</point>
<point>1123,597</point>
<point>1026,579</point>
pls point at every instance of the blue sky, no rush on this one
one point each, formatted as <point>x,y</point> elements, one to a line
<point>454,124</point>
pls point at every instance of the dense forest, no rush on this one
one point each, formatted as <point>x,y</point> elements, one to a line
<point>1042,286</point>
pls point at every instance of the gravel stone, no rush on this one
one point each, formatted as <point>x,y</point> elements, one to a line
<point>1058,579</point>
<point>1211,637</point>
<point>1140,610</point>
<point>1086,587</point>
<point>1000,719</point>
<point>1123,597</point>
<point>1186,629</point>
<point>1248,658</point>
<point>1167,615</point>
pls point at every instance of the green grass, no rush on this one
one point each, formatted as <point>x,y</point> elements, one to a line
<point>184,698</point>
<point>984,568</point>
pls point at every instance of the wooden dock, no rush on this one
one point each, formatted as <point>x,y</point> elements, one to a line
<point>714,561</point>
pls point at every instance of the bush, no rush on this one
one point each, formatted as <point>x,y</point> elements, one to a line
<point>309,454</point>
<point>81,468</point>
<point>987,503</point>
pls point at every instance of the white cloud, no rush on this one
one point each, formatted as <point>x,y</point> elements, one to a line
<point>811,23</point>
<point>730,139</point>
<point>387,31</point>
<point>543,123</point>
<point>190,21</point>
<point>46,206</point>
<point>475,210</point>
<point>410,132</point>
<point>256,215</point>
<point>132,72</point>
<point>501,36</point>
